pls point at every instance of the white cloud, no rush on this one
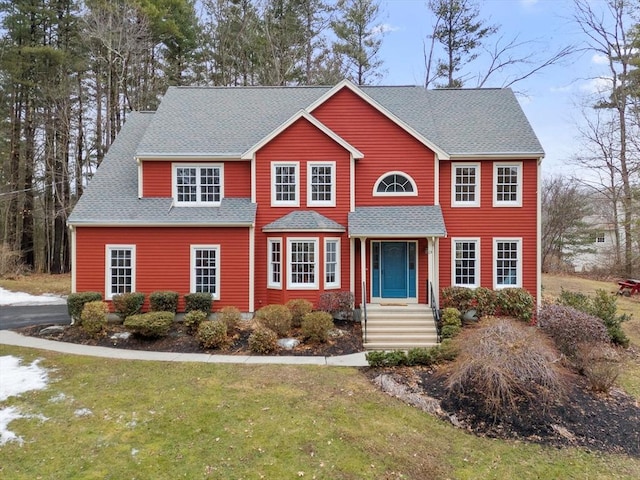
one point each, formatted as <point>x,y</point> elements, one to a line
<point>384,28</point>
<point>599,59</point>
<point>528,3</point>
<point>563,89</point>
<point>597,85</point>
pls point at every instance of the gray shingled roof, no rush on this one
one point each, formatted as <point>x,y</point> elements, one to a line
<point>406,221</point>
<point>228,121</point>
<point>112,195</point>
<point>303,220</point>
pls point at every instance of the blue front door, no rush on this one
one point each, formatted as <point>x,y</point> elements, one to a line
<point>394,278</point>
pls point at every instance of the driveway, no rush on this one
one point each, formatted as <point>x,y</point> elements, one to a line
<point>25,315</point>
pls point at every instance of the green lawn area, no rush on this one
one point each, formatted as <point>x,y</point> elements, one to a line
<point>153,420</point>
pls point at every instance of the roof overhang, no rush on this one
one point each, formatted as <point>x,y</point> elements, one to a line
<point>88,223</point>
<point>496,156</point>
<point>189,156</point>
<point>420,221</point>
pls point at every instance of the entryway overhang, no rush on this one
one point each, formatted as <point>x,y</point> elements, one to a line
<point>416,221</point>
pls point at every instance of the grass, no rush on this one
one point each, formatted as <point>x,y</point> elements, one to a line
<point>189,420</point>
<point>38,283</point>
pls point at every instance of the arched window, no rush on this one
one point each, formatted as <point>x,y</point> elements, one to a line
<point>395,184</point>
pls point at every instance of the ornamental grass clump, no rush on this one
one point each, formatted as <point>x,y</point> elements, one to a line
<point>263,340</point>
<point>505,368</point>
<point>150,324</point>
<point>93,318</point>
<point>230,316</point>
<point>316,326</point>
<point>276,318</point>
<point>127,304</point>
<point>299,307</point>
<point>600,364</point>
<point>212,334</point>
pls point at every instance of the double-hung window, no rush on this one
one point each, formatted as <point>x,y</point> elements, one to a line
<point>120,261</point>
<point>205,269</point>
<point>465,186</point>
<point>303,263</point>
<point>275,263</point>
<point>466,262</point>
<point>332,263</point>
<point>507,180</point>
<point>197,184</point>
<point>321,184</point>
<point>285,184</point>
<point>507,254</point>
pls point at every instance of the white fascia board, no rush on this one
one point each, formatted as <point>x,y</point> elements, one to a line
<point>396,235</point>
<point>167,225</point>
<point>200,157</point>
<point>494,156</point>
<point>301,231</point>
<point>315,122</point>
<point>401,123</point>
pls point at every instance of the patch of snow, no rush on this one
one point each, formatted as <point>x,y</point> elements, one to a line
<point>61,397</point>
<point>14,380</point>
<point>83,412</point>
<point>20,298</point>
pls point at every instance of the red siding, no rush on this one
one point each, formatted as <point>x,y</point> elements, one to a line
<point>163,259</point>
<point>156,177</point>
<point>385,145</point>
<point>487,222</point>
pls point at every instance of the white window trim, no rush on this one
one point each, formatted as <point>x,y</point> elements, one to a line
<point>281,203</point>
<point>108,285</point>
<point>454,202</point>
<point>518,202</point>
<point>453,261</point>
<point>336,284</point>
<point>321,203</point>
<point>198,202</point>
<point>518,284</point>
<point>395,194</point>
<point>303,286</point>
<point>192,267</point>
<point>270,282</point>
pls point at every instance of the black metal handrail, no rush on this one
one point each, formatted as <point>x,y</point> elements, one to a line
<point>434,307</point>
<point>364,308</point>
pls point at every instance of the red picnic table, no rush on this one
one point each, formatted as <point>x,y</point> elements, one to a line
<point>628,287</point>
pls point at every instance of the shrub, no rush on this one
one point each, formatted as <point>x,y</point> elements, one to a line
<point>516,303</point>
<point>416,356</point>
<point>193,319</point>
<point>76,301</point>
<point>457,297</point>
<point>446,351</point>
<point>263,340</point>
<point>10,261</point>
<point>230,316</point>
<point>94,317</point>
<point>127,304</point>
<point>298,307</point>
<point>198,301</point>
<point>450,322</point>
<point>212,334</point>
<point>505,368</point>
<point>599,364</point>
<point>316,326</point>
<point>485,302</point>
<point>151,324</point>
<point>338,304</point>
<point>163,301</point>
<point>569,328</point>
<point>393,358</point>
<point>276,318</point>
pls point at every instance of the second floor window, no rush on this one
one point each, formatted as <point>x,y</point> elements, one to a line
<point>197,184</point>
<point>466,185</point>
<point>285,184</point>
<point>395,184</point>
<point>321,184</point>
<point>508,185</point>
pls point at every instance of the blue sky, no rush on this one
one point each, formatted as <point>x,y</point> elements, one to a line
<point>550,99</point>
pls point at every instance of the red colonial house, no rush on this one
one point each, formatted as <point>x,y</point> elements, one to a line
<point>263,194</point>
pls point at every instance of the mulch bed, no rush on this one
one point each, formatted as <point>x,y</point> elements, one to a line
<point>348,340</point>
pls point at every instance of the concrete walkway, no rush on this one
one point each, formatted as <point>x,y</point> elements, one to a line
<point>8,337</point>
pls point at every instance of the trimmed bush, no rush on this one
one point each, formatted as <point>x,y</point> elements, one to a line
<point>127,304</point>
<point>230,316</point>
<point>600,364</point>
<point>339,304</point>
<point>392,358</point>
<point>451,325</point>
<point>420,356</point>
<point>316,326</point>
<point>276,318</point>
<point>193,319</point>
<point>94,317</point>
<point>150,324</point>
<point>263,340</point>
<point>485,302</point>
<point>569,327</point>
<point>415,356</point>
<point>516,303</point>
<point>505,368</point>
<point>163,301</point>
<point>509,302</point>
<point>198,301</point>
<point>298,307</point>
<point>212,334</point>
<point>457,297</point>
<point>76,302</point>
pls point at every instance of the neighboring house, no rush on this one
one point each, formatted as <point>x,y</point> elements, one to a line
<point>600,254</point>
<point>264,194</point>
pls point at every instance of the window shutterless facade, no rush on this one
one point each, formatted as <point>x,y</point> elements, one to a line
<point>332,263</point>
<point>275,263</point>
<point>197,185</point>
<point>507,181</point>
<point>285,184</point>
<point>321,184</point>
<point>466,262</point>
<point>205,269</point>
<point>507,254</point>
<point>302,263</point>
<point>465,188</point>
<point>120,275</point>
